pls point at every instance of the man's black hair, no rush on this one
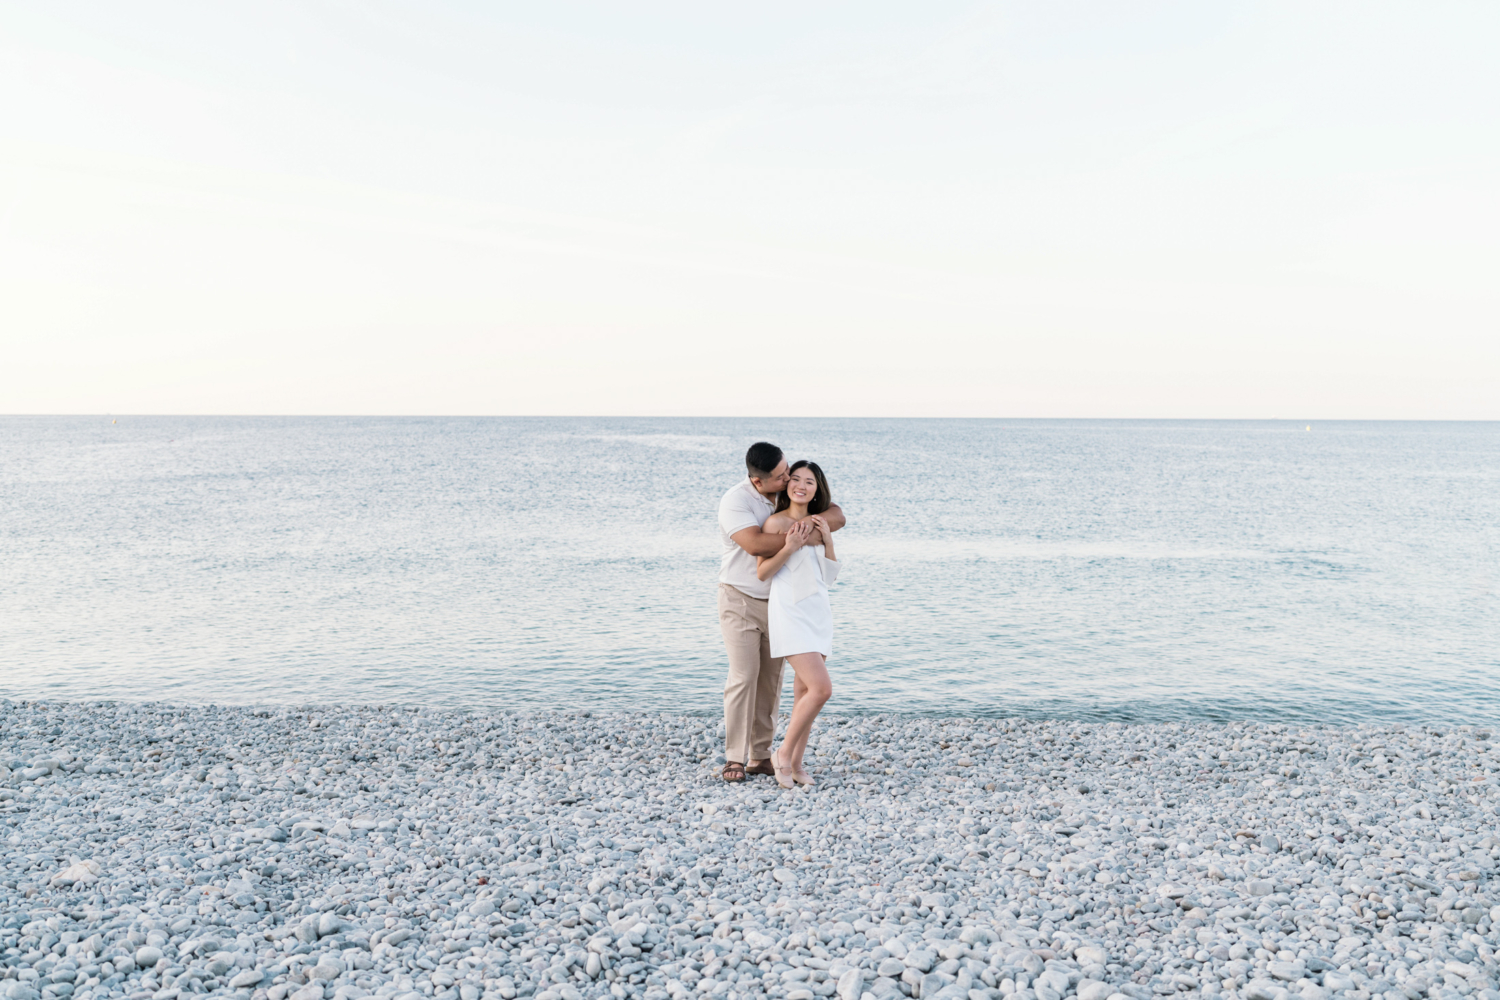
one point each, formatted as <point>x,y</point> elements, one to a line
<point>761,460</point>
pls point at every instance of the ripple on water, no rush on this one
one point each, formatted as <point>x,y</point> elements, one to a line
<point>1104,570</point>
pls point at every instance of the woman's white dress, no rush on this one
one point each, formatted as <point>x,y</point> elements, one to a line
<point>800,616</point>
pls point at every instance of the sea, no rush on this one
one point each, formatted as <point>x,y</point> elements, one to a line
<point>1276,571</point>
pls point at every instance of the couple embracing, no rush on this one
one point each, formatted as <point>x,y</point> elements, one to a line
<point>777,529</point>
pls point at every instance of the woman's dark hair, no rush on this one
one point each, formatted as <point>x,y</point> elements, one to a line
<point>820,500</point>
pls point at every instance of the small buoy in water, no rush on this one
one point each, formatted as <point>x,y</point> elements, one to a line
<point>114,421</point>
<point>1309,426</point>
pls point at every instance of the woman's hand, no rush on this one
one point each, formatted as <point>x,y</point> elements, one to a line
<point>796,537</point>
<point>821,526</point>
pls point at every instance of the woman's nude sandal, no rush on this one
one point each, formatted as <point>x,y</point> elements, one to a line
<point>784,775</point>
<point>801,777</point>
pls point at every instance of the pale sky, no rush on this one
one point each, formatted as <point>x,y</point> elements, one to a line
<point>1045,209</point>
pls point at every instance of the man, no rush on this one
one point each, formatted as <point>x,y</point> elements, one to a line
<point>753,690</point>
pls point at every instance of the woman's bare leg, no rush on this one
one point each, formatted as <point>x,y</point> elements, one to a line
<point>799,691</point>
<point>811,690</point>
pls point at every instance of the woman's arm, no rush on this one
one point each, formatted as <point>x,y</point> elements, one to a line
<point>796,537</point>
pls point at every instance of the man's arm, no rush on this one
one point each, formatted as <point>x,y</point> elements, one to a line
<point>759,542</point>
<point>764,544</point>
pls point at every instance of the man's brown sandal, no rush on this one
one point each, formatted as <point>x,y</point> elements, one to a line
<point>733,771</point>
<point>764,767</point>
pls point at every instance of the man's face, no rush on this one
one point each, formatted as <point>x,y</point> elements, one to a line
<point>774,483</point>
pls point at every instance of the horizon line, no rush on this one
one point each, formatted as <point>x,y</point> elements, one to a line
<point>732,416</point>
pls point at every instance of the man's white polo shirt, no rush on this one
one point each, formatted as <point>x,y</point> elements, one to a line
<point>742,507</point>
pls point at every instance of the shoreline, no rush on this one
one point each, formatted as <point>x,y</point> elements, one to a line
<point>335,852</point>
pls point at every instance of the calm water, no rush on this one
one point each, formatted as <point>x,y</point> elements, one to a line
<point>1112,569</point>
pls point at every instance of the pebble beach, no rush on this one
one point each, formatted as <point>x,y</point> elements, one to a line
<point>164,851</point>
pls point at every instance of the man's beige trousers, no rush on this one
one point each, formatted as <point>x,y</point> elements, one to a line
<point>753,690</point>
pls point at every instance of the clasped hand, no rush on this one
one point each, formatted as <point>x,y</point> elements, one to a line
<point>812,530</point>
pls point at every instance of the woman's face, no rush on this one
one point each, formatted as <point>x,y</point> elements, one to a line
<point>803,486</point>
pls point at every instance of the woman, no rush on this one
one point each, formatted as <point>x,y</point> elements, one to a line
<point>800,619</point>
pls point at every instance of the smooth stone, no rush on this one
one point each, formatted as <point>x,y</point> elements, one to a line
<point>930,985</point>
<point>1054,979</point>
<point>1261,989</point>
<point>325,972</point>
